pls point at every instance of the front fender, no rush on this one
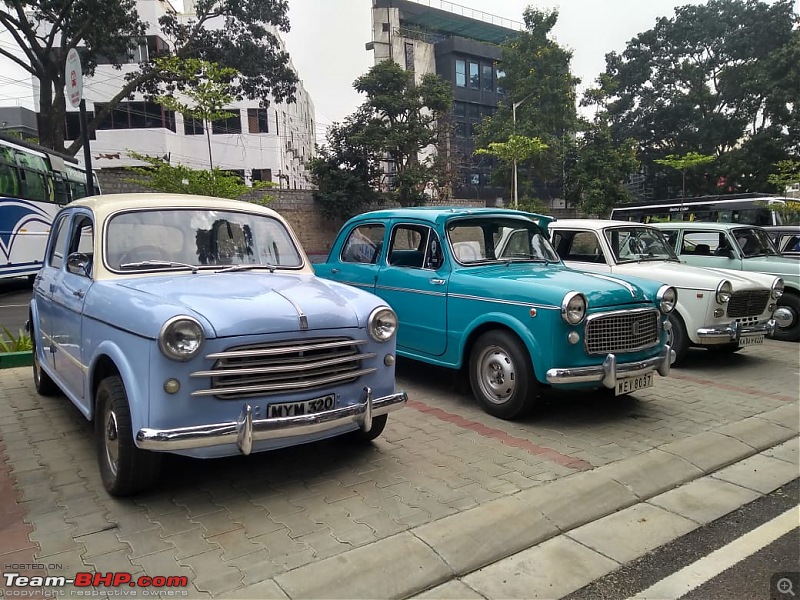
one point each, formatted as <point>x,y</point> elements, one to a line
<point>135,376</point>
<point>503,319</point>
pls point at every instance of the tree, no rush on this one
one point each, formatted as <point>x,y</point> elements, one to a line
<point>719,78</point>
<point>684,163</point>
<point>161,176</point>
<point>537,79</point>
<point>45,30</point>
<point>515,151</point>
<point>786,173</point>
<point>401,120</point>
<point>595,179</point>
<point>207,86</point>
<point>346,170</point>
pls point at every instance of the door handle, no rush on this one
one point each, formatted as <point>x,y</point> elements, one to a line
<point>334,271</point>
<point>437,281</point>
<point>52,287</point>
<point>78,293</point>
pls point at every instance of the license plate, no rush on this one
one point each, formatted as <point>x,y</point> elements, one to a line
<point>631,384</point>
<point>307,407</point>
<point>751,340</point>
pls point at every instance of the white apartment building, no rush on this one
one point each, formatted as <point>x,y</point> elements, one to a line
<point>266,144</point>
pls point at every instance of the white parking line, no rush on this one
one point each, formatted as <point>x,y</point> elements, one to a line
<point>694,575</point>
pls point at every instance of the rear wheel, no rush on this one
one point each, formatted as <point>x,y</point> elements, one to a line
<point>789,329</point>
<point>41,380</point>
<point>501,375</point>
<point>125,469</point>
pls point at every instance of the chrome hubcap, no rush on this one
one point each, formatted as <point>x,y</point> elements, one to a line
<point>111,441</point>
<point>785,317</point>
<point>496,374</point>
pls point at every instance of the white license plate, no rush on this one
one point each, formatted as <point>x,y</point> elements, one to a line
<point>631,384</point>
<point>307,407</point>
<point>751,340</point>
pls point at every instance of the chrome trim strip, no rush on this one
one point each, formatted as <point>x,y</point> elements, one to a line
<point>608,373</point>
<point>510,302</point>
<point>284,369</point>
<point>300,314</point>
<point>725,334</point>
<point>60,347</point>
<point>289,385</point>
<point>283,349</point>
<point>389,288</point>
<point>360,284</point>
<point>246,430</point>
<point>624,284</point>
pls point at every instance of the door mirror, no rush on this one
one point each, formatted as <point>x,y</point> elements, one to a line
<point>79,263</point>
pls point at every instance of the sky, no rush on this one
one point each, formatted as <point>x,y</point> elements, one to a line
<point>326,42</point>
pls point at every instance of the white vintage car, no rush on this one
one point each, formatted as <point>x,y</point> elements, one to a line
<point>718,309</point>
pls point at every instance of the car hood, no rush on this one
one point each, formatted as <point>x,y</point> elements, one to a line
<point>250,302</point>
<point>553,281</point>
<point>686,276</point>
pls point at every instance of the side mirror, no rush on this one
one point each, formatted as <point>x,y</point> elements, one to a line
<point>79,263</point>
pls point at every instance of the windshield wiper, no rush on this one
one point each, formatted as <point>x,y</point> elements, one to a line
<point>233,268</point>
<point>521,257</point>
<point>160,264</point>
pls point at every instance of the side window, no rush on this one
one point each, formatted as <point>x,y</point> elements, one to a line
<point>82,240</point>
<point>584,248</point>
<point>408,245</point>
<point>55,257</point>
<point>364,244</point>
<point>703,243</point>
<point>671,235</point>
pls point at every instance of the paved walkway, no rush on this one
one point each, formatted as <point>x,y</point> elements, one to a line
<point>449,502</point>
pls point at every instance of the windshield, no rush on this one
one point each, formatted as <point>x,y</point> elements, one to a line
<point>498,239</point>
<point>163,239</point>
<point>754,242</point>
<point>630,244</point>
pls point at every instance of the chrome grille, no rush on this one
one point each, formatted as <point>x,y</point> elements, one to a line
<point>748,303</point>
<point>624,331</point>
<point>291,365</point>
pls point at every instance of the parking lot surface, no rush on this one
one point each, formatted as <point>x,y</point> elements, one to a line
<point>443,492</point>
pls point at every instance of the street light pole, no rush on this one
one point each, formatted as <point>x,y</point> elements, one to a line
<point>514,132</point>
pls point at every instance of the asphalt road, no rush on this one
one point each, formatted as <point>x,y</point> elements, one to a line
<point>15,293</point>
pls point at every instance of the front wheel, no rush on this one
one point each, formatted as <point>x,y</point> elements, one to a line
<point>360,436</point>
<point>125,469</point>
<point>501,375</point>
<point>789,329</point>
<point>677,337</point>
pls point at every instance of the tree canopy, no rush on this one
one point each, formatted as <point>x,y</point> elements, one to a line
<point>110,30</point>
<point>719,79</point>
<point>538,80</point>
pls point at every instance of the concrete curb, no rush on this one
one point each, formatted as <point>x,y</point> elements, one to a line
<point>429,555</point>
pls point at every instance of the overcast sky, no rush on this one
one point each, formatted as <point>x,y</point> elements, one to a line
<point>327,39</point>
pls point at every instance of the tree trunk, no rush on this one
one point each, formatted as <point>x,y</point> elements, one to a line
<point>52,109</point>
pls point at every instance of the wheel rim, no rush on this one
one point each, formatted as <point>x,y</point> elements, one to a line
<point>111,440</point>
<point>496,374</point>
<point>786,317</point>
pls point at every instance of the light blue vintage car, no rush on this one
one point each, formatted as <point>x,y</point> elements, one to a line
<point>740,248</point>
<point>515,320</point>
<point>196,326</point>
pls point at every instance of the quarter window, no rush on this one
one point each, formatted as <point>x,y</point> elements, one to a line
<point>56,256</point>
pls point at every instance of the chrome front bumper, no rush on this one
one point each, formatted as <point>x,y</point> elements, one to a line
<point>246,430</point>
<point>725,334</point>
<point>608,373</point>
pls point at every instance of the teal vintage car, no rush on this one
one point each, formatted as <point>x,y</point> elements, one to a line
<point>517,319</point>
<point>740,247</point>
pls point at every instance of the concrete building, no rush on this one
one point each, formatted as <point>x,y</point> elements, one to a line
<point>462,46</point>
<point>268,144</point>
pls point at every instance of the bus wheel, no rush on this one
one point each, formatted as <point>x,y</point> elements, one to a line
<point>789,329</point>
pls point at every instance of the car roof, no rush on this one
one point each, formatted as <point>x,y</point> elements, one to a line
<point>107,204</point>
<point>596,223</point>
<point>442,213</point>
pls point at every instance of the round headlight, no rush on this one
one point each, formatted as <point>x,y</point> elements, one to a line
<point>724,291</point>
<point>777,288</point>
<point>181,338</point>
<point>667,298</point>
<point>573,308</point>
<point>382,324</point>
